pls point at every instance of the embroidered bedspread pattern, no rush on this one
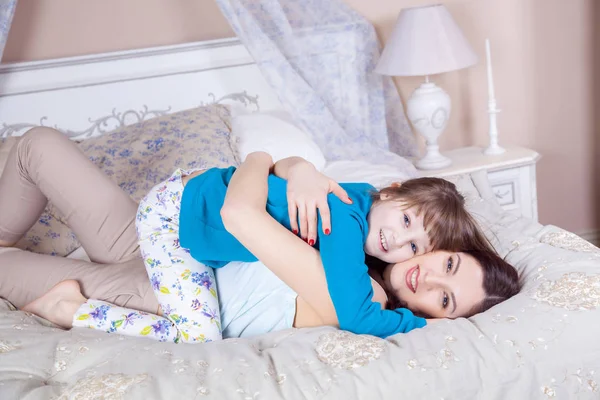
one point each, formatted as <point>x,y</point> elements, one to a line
<point>541,344</point>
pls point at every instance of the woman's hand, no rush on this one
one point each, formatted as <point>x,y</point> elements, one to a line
<point>307,191</point>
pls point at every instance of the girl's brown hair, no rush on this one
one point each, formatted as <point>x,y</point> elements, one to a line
<point>448,224</point>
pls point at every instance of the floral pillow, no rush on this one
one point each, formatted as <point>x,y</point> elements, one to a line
<point>139,156</point>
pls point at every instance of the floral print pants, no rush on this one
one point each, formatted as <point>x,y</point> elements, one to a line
<point>185,288</point>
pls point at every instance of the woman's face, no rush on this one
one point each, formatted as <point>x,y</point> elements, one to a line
<point>395,233</point>
<point>439,284</point>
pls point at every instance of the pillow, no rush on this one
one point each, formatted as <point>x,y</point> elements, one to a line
<point>139,156</point>
<point>275,134</point>
<point>378,175</point>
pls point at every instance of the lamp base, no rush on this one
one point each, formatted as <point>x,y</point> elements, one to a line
<point>433,161</point>
<point>428,110</point>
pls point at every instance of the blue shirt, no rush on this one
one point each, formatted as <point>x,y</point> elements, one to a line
<point>201,231</point>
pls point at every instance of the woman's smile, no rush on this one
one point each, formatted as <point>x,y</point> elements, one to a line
<point>412,278</point>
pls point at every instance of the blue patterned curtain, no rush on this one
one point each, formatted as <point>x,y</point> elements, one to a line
<point>319,56</point>
<point>7,11</point>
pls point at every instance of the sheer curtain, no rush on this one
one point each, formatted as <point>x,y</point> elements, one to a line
<point>7,10</point>
<point>319,56</point>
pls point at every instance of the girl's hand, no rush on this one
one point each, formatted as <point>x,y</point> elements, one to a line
<point>307,191</point>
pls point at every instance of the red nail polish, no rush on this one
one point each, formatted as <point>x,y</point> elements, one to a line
<point>350,199</point>
<point>295,231</point>
<point>327,231</point>
<point>311,242</point>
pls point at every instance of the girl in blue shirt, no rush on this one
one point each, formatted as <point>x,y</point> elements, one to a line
<point>422,215</point>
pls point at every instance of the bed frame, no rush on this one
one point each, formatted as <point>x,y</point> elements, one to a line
<point>88,95</point>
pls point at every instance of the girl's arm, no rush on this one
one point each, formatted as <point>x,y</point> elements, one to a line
<point>287,256</point>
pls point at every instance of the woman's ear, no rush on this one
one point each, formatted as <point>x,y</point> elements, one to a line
<point>396,184</point>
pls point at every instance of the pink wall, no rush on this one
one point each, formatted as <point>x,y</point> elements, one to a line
<point>543,62</point>
<point>57,28</point>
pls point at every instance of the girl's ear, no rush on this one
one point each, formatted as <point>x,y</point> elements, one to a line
<point>384,196</point>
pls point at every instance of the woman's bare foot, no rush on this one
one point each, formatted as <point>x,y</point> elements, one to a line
<point>59,304</point>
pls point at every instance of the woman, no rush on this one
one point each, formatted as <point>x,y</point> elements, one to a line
<point>319,301</point>
<point>431,284</point>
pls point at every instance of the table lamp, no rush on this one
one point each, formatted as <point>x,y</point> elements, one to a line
<point>427,41</point>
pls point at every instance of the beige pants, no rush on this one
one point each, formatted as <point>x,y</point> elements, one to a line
<point>45,165</point>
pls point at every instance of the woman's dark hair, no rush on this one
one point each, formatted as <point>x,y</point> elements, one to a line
<point>500,280</point>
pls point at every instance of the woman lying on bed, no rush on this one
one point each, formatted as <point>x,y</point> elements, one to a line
<point>440,290</point>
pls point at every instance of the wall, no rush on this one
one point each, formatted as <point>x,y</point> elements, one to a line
<point>595,102</point>
<point>542,54</point>
<point>58,28</point>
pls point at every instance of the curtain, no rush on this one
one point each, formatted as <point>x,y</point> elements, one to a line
<point>319,56</point>
<point>7,10</point>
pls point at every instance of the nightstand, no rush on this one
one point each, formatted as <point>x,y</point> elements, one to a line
<point>512,175</point>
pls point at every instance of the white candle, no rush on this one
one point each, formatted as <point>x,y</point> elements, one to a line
<point>489,70</point>
<point>493,148</point>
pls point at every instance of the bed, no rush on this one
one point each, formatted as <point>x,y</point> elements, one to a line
<point>131,111</point>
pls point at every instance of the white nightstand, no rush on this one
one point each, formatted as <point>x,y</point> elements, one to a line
<point>512,175</point>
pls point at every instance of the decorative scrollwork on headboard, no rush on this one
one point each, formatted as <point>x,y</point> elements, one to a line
<point>18,129</point>
<point>115,119</point>
<point>241,97</point>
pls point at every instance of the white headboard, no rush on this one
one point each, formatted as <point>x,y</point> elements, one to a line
<point>86,96</point>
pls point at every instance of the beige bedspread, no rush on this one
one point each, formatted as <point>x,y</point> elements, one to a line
<point>544,343</point>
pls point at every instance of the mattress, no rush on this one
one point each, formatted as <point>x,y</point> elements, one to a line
<point>543,343</point>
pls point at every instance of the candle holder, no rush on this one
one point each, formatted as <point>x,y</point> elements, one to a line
<point>493,148</point>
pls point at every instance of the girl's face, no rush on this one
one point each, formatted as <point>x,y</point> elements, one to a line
<point>395,234</point>
<point>440,284</point>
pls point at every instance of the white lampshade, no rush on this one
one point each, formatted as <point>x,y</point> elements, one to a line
<point>425,41</point>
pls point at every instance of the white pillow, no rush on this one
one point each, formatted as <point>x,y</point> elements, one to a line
<point>378,175</point>
<point>275,135</point>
